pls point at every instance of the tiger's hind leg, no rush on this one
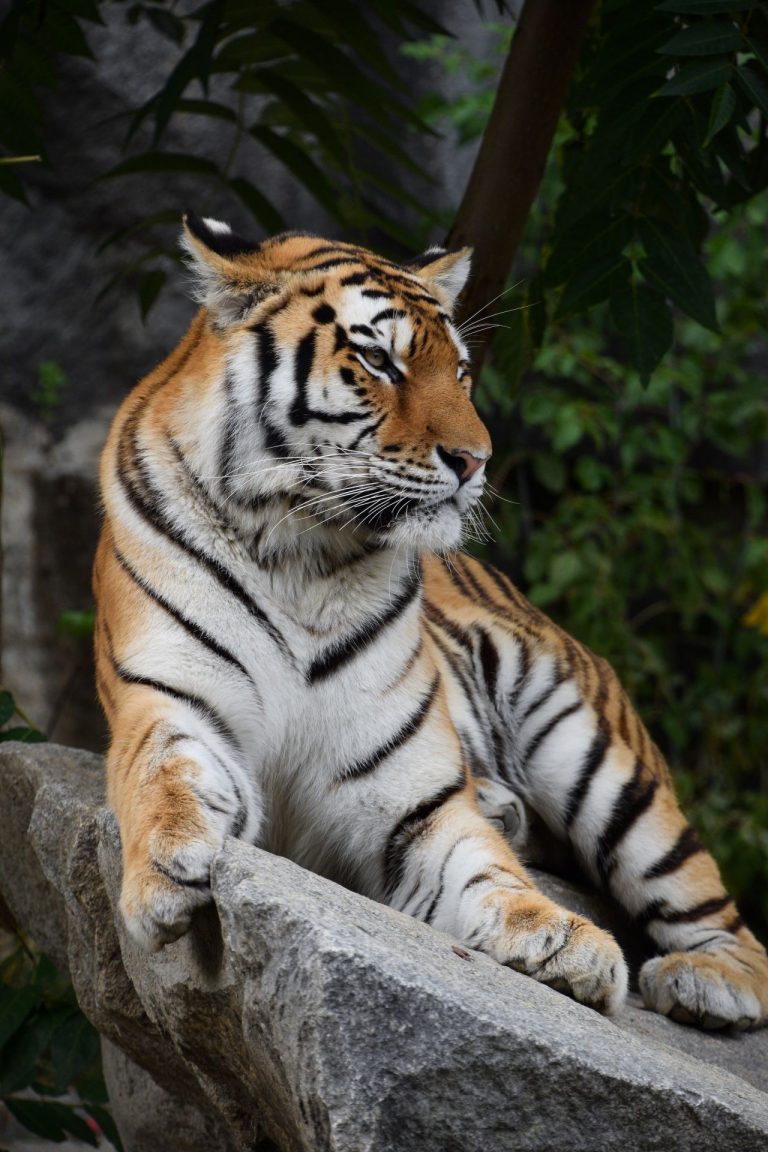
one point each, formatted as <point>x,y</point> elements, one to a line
<point>584,762</point>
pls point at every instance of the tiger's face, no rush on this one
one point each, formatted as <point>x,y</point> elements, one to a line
<point>360,381</point>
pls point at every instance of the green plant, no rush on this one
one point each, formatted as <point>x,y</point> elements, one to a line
<point>51,382</point>
<point>48,1051</point>
<point>10,729</point>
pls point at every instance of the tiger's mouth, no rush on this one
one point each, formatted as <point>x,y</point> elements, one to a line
<point>411,510</point>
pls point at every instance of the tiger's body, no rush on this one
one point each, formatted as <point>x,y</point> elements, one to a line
<point>291,650</point>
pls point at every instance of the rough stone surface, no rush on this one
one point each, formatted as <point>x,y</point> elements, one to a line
<point>299,1016</point>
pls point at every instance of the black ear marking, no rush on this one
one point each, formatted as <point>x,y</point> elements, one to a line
<point>425,258</point>
<point>223,243</point>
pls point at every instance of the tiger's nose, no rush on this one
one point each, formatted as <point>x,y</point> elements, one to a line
<point>464,464</point>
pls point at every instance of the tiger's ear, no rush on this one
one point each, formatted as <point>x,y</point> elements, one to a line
<point>230,274</point>
<point>447,272</point>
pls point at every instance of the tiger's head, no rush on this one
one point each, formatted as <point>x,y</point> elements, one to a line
<point>347,382</point>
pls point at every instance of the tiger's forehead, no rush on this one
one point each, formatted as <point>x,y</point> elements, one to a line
<point>373,297</point>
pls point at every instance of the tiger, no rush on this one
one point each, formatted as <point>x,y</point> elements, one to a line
<point>292,648</point>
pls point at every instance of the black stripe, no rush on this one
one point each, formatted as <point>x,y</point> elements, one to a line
<point>388,314</point>
<point>324,314</point>
<point>548,728</point>
<point>594,758</point>
<point>401,737</point>
<point>368,430</point>
<point>659,910</point>
<point>460,635</point>
<point>304,359</point>
<point>300,411</point>
<point>188,625</point>
<point>635,798</point>
<point>151,513</point>
<point>211,715</point>
<point>353,645</point>
<point>441,880</point>
<point>377,293</point>
<point>180,880</point>
<point>686,845</point>
<point>544,696</point>
<point>523,674</point>
<point>489,660</point>
<point>339,260</point>
<point>407,828</point>
<point>354,278</point>
<point>227,447</point>
<point>464,681</point>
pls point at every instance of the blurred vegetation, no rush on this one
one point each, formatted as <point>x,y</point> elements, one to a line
<point>625,386</point>
<point>635,511</point>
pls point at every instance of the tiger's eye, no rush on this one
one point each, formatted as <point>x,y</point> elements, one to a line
<point>376,357</point>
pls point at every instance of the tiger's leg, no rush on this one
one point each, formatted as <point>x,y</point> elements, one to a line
<point>415,838</point>
<point>174,788</point>
<point>586,764</point>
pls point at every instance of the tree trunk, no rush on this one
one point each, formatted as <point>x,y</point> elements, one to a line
<point>514,148</point>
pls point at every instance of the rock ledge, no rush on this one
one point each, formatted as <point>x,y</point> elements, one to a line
<point>300,1016</point>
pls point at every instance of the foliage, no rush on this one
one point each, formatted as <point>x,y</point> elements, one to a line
<point>308,85</point>
<point>10,728</point>
<point>51,383</point>
<point>635,512</point>
<point>47,1051</point>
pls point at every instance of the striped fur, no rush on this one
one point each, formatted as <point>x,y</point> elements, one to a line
<point>292,650</point>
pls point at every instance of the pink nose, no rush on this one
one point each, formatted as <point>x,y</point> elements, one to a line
<point>464,464</point>
<point>471,464</point>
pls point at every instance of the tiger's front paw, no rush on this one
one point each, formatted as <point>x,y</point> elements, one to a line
<point>535,936</point>
<point>718,989</point>
<point>160,895</point>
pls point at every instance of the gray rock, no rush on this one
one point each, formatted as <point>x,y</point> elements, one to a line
<point>297,1015</point>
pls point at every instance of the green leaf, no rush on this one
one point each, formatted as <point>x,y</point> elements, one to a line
<point>310,114</point>
<point>42,1117</point>
<point>206,108</point>
<point>162,162</point>
<point>644,320</point>
<point>77,624</point>
<point>754,84</point>
<point>301,164</point>
<point>346,76</point>
<point>20,1057</point>
<point>698,76</point>
<point>150,286</point>
<point>169,216</point>
<point>673,266</point>
<point>593,284</point>
<point>257,204</point>
<point>51,1119</point>
<point>565,568</point>
<point>23,735</point>
<point>15,1005</point>
<point>723,108</point>
<point>104,1119</point>
<point>596,235</point>
<point>709,38</point>
<point>166,22</point>
<point>7,707</point>
<point>74,1046</point>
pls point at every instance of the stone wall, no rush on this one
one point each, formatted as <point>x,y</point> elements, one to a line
<point>301,1017</point>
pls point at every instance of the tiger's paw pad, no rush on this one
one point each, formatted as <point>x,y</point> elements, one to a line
<point>158,900</point>
<point>565,951</point>
<point>708,990</point>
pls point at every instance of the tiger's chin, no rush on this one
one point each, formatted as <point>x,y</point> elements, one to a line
<point>431,528</point>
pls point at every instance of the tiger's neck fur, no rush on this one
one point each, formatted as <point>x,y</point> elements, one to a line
<point>253,506</point>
